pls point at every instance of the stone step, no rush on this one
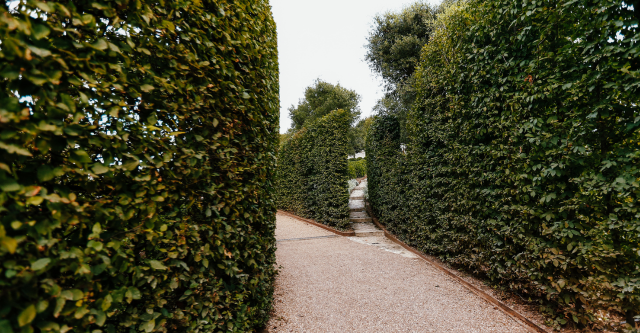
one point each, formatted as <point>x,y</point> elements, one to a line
<point>378,233</point>
<point>356,205</point>
<point>357,194</point>
<point>358,215</point>
<point>366,230</point>
<point>361,219</point>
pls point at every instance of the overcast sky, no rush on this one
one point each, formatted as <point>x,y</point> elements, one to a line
<point>326,40</point>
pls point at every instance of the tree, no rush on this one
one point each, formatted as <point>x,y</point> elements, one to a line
<point>320,99</point>
<point>360,134</point>
<point>396,40</point>
<point>393,53</point>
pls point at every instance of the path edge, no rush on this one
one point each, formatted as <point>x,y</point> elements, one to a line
<point>531,326</point>
<point>317,224</point>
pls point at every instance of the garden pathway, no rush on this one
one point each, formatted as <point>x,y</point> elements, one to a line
<point>330,283</point>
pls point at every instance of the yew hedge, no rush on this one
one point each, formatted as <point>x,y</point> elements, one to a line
<point>137,165</point>
<point>312,171</point>
<point>523,153</point>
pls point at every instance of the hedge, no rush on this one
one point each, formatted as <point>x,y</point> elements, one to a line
<point>312,171</point>
<point>137,165</point>
<point>523,156</point>
<point>357,168</point>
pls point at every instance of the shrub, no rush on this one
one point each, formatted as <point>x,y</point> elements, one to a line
<point>357,168</point>
<point>522,162</point>
<point>312,171</point>
<point>137,166</point>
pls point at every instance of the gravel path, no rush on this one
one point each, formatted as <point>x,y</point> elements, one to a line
<point>368,284</point>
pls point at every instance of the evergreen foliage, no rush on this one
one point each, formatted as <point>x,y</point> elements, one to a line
<point>137,165</point>
<point>312,171</point>
<point>359,136</point>
<point>393,52</point>
<point>320,99</point>
<point>523,157</point>
<point>357,168</point>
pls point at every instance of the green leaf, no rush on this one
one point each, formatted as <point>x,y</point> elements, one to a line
<point>9,244</point>
<point>146,87</point>
<point>100,44</point>
<point>80,157</point>
<point>45,173</point>
<point>40,31</point>
<point>134,292</point>
<point>131,165</point>
<point>73,130</point>
<point>99,169</point>
<point>169,25</point>
<point>40,264</point>
<point>99,5</point>
<point>148,326</point>
<point>35,201</point>
<point>95,245</point>
<point>72,295</point>
<point>9,185</point>
<point>42,305</point>
<point>106,303</point>
<point>60,302</point>
<point>81,312</point>
<point>13,149</point>
<point>101,318</point>
<point>157,265</point>
<point>27,315</point>
<point>43,53</point>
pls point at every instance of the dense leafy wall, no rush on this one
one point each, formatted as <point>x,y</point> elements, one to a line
<point>137,165</point>
<point>357,168</point>
<point>523,154</point>
<point>312,171</point>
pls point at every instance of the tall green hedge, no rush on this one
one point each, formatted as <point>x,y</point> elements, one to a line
<point>312,171</point>
<point>523,154</point>
<point>137,165</point>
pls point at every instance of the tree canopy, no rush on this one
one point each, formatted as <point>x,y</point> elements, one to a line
<point>396,40</point>
<point>320,99</point>
<point>359,134</point>
<point>393,53</point>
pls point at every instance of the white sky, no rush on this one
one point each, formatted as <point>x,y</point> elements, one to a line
<point>326,40</point>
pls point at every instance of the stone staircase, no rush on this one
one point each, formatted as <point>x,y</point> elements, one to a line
<point>360,221</point>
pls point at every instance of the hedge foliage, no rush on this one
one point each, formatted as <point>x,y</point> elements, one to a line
<point>137,165</point>
<point>523,159</point>
<point>312,171</point>
<point>357,168</point>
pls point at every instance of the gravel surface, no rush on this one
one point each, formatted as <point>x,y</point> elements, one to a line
<point>291,228</point>
<point>366,284</point>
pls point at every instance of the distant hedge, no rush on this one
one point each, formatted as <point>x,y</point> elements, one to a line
<point>312,171</point>
<point>523,159</point>
<point>357,168</point>
<point>137,165</point>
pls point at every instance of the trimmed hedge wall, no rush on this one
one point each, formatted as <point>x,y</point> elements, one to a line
<point>523,155</point>
<point>312,171</point>
<point>137,165</point>
<point>357,168</point>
